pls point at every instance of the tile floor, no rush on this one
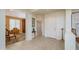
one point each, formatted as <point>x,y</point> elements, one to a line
<point>39,43</point>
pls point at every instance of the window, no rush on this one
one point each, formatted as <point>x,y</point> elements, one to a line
<point>33,22</point>
<point>14,23</point>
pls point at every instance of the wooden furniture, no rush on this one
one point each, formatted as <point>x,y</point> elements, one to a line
<point>10,35</point>
<point>15,31</point>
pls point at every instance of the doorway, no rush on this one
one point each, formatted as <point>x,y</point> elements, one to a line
<point>15,29</point>
<point>39,28</point>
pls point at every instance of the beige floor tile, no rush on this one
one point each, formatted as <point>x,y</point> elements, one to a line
<point>39,43</point>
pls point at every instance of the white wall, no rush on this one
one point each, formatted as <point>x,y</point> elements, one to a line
<point>2,29</point>
<point>70,39</point>
<point>28,26</point>
<point>53,23</point>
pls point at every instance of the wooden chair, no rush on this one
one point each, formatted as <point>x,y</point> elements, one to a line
<point>10,35</point>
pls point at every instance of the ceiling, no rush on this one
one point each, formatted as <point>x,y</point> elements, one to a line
<point>43,11</point>
<point>39,11</point>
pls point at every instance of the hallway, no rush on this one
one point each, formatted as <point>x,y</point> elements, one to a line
<point>39,43</point>
<point>52,23</point>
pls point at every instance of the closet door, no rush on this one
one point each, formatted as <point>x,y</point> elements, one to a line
<point>50,25</point>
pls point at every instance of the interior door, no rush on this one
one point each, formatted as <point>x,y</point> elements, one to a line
<point>39,31</point>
